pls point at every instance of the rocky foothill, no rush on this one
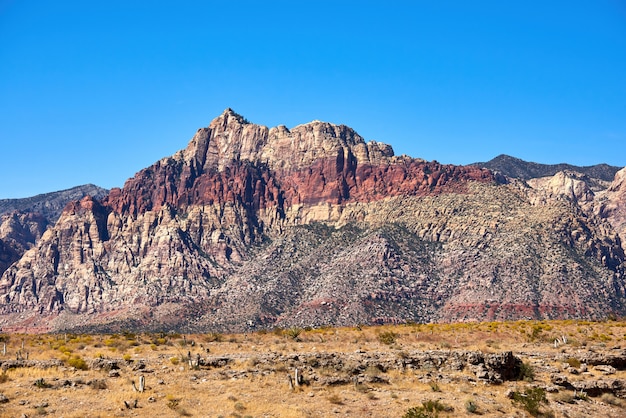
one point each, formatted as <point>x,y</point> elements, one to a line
<point>251,227</point>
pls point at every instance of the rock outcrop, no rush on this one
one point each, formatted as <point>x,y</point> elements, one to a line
<point>23,221</point>
<point>251,227</point>
<point>612,204</point>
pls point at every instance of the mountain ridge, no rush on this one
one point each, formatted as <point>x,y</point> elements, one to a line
<point>525,170</point>
<point>252,227</point>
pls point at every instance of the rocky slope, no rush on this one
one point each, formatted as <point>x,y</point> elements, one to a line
<point>253,227</point>
<point>23,221</point>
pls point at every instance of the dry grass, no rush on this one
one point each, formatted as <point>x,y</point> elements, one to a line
<point>247,386</point>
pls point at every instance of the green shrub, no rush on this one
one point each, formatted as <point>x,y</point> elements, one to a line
<point>42,384</point>
<point>293,332</point>
<point>526,372</point>
<point>531,399</point>
<point>573,362</point>
<point>471,406</point>
<point>429,409</point>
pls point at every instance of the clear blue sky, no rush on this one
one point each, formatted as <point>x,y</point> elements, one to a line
<point>93,91</point>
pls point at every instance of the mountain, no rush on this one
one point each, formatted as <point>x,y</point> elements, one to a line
<point>23,221</point>
<point>516,168</point>
<point>50,205</point>
<point>252,227</point>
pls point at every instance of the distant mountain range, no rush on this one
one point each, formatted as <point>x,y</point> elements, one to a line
<point>50,205</point>
<point>516,168</point>
<point>250,227</point>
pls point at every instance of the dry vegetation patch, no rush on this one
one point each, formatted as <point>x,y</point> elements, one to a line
<point>556,368</point>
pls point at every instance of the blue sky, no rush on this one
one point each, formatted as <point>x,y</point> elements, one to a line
<point>93,91</point>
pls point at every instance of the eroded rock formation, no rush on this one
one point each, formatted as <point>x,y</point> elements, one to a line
<point>254,227</point>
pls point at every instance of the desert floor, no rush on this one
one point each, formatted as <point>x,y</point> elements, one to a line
<point>357,372</point>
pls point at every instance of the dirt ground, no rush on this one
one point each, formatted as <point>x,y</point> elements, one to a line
<point>356,372</point>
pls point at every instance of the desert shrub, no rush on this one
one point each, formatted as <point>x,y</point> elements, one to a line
<point>293,332</point>
<point>573,362</point>
<point>611,399</point>
<point>581,396</point>
<point>174,360</point>
<point>42,384</point>
<point>213,337</point>
<point>98,384</point>
<point>471,406</point>
<point>387,337</point>
<point>531,399</point>
<point>335,399</point>
<point>564,397</point>
<point>4,377</point>
<point>77,362</point>
<point>434,386</point>
<point>526,372</point>
<point>429,409</point>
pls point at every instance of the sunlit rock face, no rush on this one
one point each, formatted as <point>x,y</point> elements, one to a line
<point>252,227</point>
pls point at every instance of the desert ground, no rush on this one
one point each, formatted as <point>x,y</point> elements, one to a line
<point>557,368</point>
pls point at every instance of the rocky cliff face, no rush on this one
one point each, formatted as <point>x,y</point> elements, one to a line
<point>254,227</point>
<point>611,204</point>
<point>23,221</point>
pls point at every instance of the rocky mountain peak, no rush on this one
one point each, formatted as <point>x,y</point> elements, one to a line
<point>231,138</point>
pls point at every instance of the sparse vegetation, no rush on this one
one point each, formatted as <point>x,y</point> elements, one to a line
<point>471,406</point>
<point>387,337</point>
<point>429,409</point>
<point>531,399</point>
<point>342,367</point>
<point>526,372</point>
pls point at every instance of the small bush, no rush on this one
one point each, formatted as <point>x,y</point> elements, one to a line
<point>564,397</point>
<point>573,362</point>
<point>429,409</point>
<point>174,360</point>
<point>581,396</point>
<point>387,337</point>
<point>335,399</point>
<point>214,337</point>
<point>531,399</point>
<point>611,399</point>
<point>526,372</point>
<point>471,406</point>
<point>4,377</point>
<point>434,386</point>
<point>42,384</point>
<point>293,332</point>
<point>77,363</point>
<point>98,384</point>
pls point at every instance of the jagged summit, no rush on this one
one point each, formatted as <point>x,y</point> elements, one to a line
<point>230,138</point>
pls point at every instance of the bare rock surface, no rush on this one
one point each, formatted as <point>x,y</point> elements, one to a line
<point>252,227</point>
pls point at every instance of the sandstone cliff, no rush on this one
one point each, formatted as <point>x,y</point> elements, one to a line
<point>254,227</point>
<point>23,221</point>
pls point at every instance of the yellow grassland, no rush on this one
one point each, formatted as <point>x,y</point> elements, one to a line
<point>173,388</point>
